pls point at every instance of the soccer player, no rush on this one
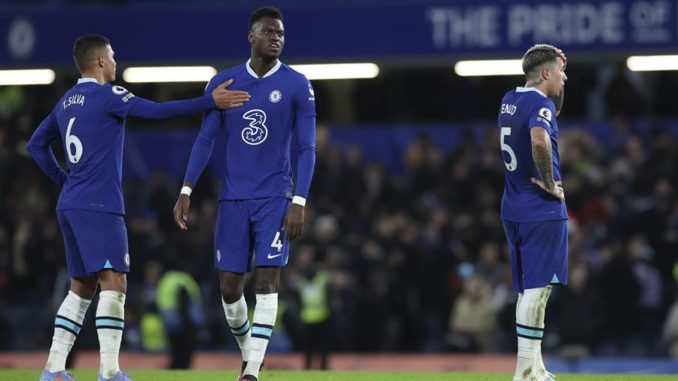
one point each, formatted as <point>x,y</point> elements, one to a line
<point>533,208</point>
<point>89,121</point>
<point>260,208</point>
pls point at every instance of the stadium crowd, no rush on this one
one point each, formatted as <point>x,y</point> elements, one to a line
<point>416,262</point>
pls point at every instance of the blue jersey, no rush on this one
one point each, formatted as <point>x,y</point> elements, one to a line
<point>259,134</point>
<point>521,110</point>
<point>89,120</point>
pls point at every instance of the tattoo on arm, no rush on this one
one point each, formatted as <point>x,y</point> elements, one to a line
<point>543,160</point>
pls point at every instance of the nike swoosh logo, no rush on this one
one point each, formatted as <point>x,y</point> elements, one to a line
<point>273,256</point>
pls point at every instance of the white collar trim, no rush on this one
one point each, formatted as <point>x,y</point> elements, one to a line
<point>268,74</point>
<point>86,79</point>
<point>526,89</point>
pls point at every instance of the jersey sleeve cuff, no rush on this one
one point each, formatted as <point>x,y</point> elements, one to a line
<point>299,200</point>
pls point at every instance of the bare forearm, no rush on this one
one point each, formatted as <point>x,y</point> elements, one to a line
<point>543,160</point>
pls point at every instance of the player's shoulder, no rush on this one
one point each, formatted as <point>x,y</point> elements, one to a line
<point>115,92</point>
<point>113,89</point>
<point>224,75</point>
<point>293,74</point>
<point>509,96</point>
<point>538,104</point>
<point>533,96</point>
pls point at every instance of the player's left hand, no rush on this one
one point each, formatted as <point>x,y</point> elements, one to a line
<point>556,192</point>
<point>294,221</point>
<point>181,211</point>
<point>225,99</point>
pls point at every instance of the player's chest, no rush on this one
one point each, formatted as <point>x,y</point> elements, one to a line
<point>268,102</point>
<point>266,117</point>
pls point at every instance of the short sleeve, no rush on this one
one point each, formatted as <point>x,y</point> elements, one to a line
<point>543,115</point>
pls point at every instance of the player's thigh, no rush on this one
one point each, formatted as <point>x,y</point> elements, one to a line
<point>512,232</point>
<point>232,243</point>
<point>101,239</point>
<point>544,253</point>
<point>74,262</point>
<point>271,247</point>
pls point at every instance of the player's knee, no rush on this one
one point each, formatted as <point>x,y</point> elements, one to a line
<point>231,288</point>
<point>113,281</point>
<point>84,287</point>
<point>268,280</point>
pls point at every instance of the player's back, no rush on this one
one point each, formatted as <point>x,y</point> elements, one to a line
<point>259,134</point>
<point>522,201</point>
<point>92,136</point>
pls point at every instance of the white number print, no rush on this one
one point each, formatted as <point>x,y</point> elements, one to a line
<point>72,140</point>
<point>256,132</point>
<point>513,164</point>
<point>277,243</point>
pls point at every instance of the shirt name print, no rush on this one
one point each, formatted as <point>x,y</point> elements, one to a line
<point>76,99</point>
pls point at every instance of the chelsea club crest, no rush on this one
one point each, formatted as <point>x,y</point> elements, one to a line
<point>275,96</point>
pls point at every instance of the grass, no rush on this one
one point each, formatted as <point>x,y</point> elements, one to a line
<point>282,375</point>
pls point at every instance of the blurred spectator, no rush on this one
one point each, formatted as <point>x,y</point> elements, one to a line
<point>311,281</point>
<point>473,323</point>
<point>575,315</point>
<point>624,99</point>
<point>180,304</point>
<point>619,293</point>
<point>670,332</point>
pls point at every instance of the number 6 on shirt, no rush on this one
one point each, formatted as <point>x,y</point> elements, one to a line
<point>72,139</point>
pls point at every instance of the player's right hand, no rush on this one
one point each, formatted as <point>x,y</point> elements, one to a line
<point>557,190</point>
<point>225,99</point>
<point>181,211</point>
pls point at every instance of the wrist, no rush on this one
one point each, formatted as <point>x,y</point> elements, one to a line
<point>210,100</point>
<point>299,200</point>
<point>186,190</point>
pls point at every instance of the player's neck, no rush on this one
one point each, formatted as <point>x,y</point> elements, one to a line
<point>96,75</point>
<point>262,65</point>
<point>539,85</point>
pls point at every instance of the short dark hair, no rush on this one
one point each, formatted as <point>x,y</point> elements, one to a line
<point>537,55</point>
<point>85,49</point>
<point>268,11</point>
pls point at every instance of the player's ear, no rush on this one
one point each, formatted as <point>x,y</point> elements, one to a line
<point>250,37</point>
<point>545,73</point>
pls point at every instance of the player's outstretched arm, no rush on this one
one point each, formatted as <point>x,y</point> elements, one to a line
<point>542,156</point>
<point>220,97</point>
<point>40,148</point>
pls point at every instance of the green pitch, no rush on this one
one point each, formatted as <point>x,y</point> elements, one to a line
<point>283,375</point>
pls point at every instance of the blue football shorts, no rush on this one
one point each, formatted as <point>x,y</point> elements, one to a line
<point>94,241</point>
<point>250,232</point>
<point>538,253</point>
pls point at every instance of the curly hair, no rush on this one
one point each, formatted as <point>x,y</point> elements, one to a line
<point>260,13</point>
